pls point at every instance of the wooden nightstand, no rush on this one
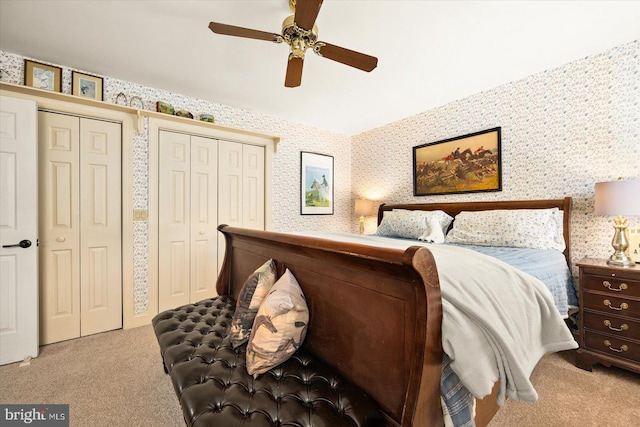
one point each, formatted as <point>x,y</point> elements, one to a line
<point>609,315</point>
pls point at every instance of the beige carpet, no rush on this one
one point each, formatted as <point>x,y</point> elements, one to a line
<point>116,379</point>
<point>110,379</point>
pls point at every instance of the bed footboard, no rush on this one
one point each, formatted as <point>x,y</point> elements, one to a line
<point>375,313</point>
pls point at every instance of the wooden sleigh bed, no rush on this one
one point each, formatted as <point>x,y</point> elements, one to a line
<point>375,313</point>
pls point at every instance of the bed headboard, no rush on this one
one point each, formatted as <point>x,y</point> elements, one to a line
<point>454,209</point>
<point>369,315</point>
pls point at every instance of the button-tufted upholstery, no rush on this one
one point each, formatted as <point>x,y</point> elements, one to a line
<point>214,388</point>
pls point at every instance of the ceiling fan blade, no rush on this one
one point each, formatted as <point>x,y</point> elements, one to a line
<point>294,72</point>
<point>307,12</point>
<point>348,57</point>
<point>231,30</point>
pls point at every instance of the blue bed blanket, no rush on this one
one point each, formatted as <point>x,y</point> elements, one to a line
<point>547,265</point>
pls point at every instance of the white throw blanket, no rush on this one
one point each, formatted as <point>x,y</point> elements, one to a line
<point>497,321</point>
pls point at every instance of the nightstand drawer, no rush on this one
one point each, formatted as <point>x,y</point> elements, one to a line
<point>614,326</point>
<point>615,286</point>
<point>610,304</point>
<point>612,346</point>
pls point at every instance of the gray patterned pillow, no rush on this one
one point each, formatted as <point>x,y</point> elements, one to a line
<point>255,288</point>
<point>280,326</point>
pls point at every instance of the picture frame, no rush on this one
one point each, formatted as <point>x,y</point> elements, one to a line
<point>634,245</point>
<point>316,184</point>
<point>464,164</point>
<point>42,76</point>
<point>87,86</point>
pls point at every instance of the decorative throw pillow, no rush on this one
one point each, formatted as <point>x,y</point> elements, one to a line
<point>517,228</point>
<point>280,326</point>
<point>253,292</point>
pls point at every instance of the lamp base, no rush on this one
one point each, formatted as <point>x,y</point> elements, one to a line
<point>620,244</point>
<point>362,225</point>
<point>621,260</point>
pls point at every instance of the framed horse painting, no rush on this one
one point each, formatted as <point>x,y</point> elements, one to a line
<point>316,184</point>
<point>464,164</point>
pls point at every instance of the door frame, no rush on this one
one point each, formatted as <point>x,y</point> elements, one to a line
<point>129,124</point>
<point>155,125</point>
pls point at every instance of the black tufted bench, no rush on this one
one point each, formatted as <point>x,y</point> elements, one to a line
<point>214,388</point>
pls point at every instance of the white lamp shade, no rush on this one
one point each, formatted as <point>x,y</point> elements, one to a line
<point>618,198</point>
<point>363,207</point>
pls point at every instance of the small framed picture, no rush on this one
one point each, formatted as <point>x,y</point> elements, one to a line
<point>42,76</point>
<point>316,182</point>
<point>86,86</point>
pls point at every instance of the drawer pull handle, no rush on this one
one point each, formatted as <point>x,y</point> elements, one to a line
<point>623,306</point>
<point>607,285</point>
<point>622,348</point>
<point>622,327</point>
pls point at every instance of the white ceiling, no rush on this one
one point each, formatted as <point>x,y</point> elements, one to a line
<point>429,52</point>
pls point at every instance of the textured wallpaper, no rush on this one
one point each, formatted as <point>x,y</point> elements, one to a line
<point>286,162</point>
<point>563,130</point>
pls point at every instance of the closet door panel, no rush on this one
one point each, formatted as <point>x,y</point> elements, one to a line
<point>253,187</point>
<point>229,189</point>
<point>101,225</point>
<point>204,218</point>
<point>230,183</point>
<point>59,227</point>
<point>174,218</point>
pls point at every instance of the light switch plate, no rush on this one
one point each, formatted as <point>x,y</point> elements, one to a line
<point>140,215</point>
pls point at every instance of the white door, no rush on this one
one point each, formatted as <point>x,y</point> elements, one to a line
<point>59,158</point>
<point>187,247</point>
<point>204,218</point>
<point>253,187</point>
<point>18,224</point>
<point>174,205</point>
<point>240,188</point>
<point>100,226</point>
<point>229,190</point>
<point>80,226</point>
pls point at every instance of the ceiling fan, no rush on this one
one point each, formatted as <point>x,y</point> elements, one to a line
<point>300,33</point>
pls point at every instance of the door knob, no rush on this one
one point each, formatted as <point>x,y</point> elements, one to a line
<point>23,244</point>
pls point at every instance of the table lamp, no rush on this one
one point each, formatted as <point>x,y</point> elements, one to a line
<point>363,208</point>
<point>619,198</point>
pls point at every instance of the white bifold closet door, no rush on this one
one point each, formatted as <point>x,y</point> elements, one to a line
<point>80,226</point>
<point>187,219</point>
<point>241,188</point>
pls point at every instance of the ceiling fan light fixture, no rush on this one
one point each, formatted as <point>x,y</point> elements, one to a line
<point>298,47</point>
<point>300,33</point>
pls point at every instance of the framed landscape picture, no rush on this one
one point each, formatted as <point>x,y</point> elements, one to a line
<point>87,86</point>
<point>42,76</point>
<point>316,184</point>
<point>464,164</point>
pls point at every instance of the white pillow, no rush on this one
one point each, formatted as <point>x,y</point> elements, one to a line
<point>517,228</point>
<point>443,218</point>
<point>409,224</point>
<point>397,224</point>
